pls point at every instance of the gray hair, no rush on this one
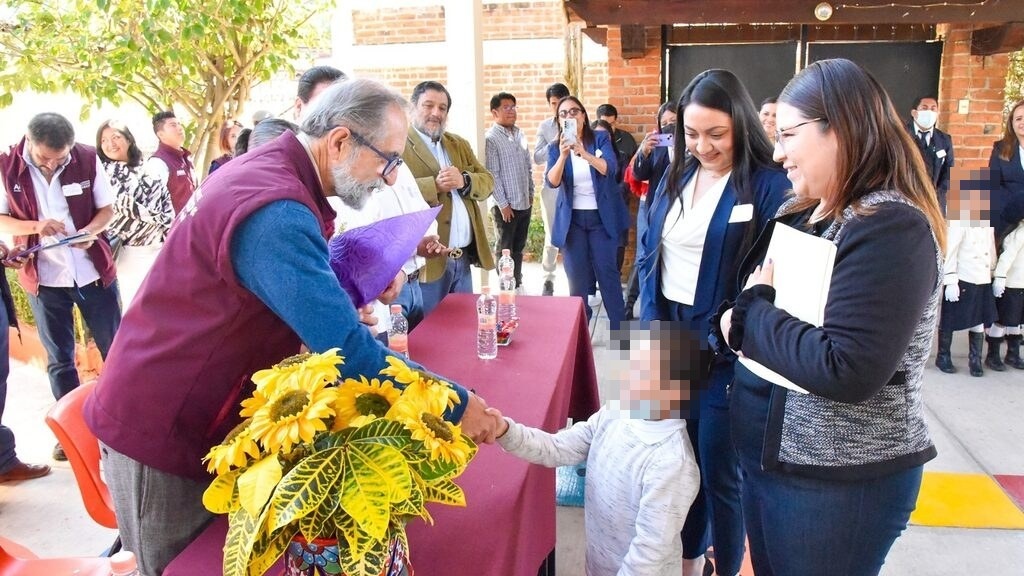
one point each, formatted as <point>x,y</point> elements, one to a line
<point>359,104</point>
<point>51,130</point>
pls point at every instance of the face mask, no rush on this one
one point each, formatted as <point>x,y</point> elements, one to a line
<point>927,118</point>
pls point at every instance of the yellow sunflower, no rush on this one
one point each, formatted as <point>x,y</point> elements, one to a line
<point>305,367</point>
<point>294,416</point>
<point>361,401</point>
<point>442,439</point>
<point>400,371</point>
<point>419,397</point>
<point>233,451</point>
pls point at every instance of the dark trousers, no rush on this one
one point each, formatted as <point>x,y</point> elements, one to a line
<point>722,486</point>
<point>52,309</point>
<point>512,236</point>
<point>7,455</point>
<point>801,526</point>
<point>589,256</point>
<point>411,299</point>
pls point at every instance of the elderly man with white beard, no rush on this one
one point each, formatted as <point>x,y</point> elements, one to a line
<point>243,281</point>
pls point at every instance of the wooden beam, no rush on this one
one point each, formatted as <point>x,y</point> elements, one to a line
<point>767,33</point>
<point>998,39</point>
<point>634,41</point>
<point>658,12</point>
<point>597,34</point>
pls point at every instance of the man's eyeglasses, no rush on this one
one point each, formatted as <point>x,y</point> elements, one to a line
<point>780,137</point>
<point>570,113</point>
<point>391,162</point>
<point>508,108</point>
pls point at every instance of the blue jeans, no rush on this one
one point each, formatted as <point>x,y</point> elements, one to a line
<point>589,255</point>
<point>456,279</point>
<point>52,309</point>
<point>7,455</point>
<point>799,526</point>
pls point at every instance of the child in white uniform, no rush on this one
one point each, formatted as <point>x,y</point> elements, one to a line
<point>641,474</point>
<point>1008,288</point>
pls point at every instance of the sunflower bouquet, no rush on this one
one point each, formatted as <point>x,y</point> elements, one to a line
<point>322,457</point>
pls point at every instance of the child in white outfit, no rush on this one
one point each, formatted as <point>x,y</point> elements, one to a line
<point>1008,288</point>
<point>641,473</point>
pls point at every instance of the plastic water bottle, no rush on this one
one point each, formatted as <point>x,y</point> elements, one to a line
<point>507,296</point>
<point>398,334</point>
<point>486,326</point>
<point>124,563</point>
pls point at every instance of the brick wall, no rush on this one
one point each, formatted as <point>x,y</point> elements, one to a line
<point>398,25</point>
<point>523,20</point>
<point>404,79</point>
<point>978,79</point>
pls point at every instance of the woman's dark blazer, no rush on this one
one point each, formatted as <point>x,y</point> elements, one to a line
<point>611,207</point>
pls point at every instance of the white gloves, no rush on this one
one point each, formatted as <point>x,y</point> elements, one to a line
<point>952,292</point>
<point>998,287</point>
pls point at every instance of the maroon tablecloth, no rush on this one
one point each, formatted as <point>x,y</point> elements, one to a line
<point>508,526</point>
<point>546,374</point>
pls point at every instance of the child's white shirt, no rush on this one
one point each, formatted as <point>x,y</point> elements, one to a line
<point>641,480</point>
<point>970,254</point>
<point>1011,261</point>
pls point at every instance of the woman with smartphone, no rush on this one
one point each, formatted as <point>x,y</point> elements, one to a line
<point>708,209</point>
<point>590,213</point>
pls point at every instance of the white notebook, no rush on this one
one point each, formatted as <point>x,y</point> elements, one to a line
<point>803,274</point>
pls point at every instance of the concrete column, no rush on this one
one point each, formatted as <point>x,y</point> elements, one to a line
<point>465,57</point>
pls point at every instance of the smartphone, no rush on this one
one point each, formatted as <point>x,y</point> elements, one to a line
<point>569,129</point>
<point>664,139</point>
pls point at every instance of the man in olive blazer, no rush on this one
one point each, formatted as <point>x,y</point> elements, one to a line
<point>450,175</point>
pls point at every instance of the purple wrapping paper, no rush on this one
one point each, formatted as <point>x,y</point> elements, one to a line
<point>366,259</point>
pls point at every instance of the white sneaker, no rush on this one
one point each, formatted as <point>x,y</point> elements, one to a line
<point>594,300</point>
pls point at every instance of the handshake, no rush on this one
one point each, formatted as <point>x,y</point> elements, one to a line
<point>482,423</point>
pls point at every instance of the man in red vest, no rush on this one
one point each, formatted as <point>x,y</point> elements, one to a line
<point>171,163</point>
<point>53,189</point>
<point>242,281</point>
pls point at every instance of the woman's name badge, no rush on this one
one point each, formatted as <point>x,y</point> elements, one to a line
<point>742,213</point>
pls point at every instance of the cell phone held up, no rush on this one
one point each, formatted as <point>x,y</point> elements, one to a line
<point>569,130</point>
<point>664,140</point>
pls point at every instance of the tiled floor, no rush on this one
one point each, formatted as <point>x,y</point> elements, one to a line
<point>977,480</point>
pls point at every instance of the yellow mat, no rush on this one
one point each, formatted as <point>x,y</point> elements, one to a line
<point>965,501</point>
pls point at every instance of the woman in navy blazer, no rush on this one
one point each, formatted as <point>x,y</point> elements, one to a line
<point>590,213</point>
<point>729,157</point>
<point>1006,168</point>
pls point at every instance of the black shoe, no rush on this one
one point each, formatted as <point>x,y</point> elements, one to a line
<point>992,359</point>
<point>1013,351</point>
<point>975,342</point>
<point>629,313</point>
<point>58,453</point>
<point>943,359</point>
<point>549,288</point>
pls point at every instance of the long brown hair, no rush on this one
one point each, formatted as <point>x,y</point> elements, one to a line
<point>875,151</point>
<point>1010,140</point>
<point>588,133</point>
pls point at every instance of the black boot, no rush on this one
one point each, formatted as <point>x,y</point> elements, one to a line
<point>975,342</point>
<point>1013,351</point>
<point>992,359</point>
<point>943,359</point>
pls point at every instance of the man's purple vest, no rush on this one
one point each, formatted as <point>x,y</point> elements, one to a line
<point>180,181</point>
<point>185,351</point>
<point>21,196</point>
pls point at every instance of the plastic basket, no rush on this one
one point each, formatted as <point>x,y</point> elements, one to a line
<point>569,485</point>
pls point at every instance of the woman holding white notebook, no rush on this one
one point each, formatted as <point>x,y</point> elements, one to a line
<point>841,463</point>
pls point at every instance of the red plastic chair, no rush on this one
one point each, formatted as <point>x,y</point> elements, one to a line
<point>83,451</point>
<point>16,560</point>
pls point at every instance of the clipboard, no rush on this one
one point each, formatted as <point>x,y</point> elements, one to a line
<point>79,238</point>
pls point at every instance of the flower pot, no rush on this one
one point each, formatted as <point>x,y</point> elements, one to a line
<point>320,558</point>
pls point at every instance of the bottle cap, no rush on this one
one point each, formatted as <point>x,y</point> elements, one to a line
<point>123,562</point>
<point>485,290</point>
<point>396,308</point>
<point>506,252</point>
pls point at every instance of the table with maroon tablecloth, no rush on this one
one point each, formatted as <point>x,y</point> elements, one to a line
<point>544,376</point>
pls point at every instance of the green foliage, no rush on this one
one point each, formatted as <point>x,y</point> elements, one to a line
<point>199,56</point>
<point>1015,78</point>
<point>535,234</point>
<point>21,305</point>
